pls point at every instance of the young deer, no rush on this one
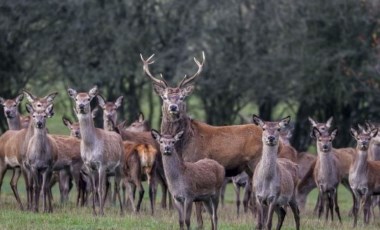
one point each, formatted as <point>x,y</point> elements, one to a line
<point>188,182</point>
<point>109,111</point>
<point>72,126</point>
<point>40,157</point>
<point>102,151</point>
<point>13,148</point>
<point>344,156</point>
<point>327,174</point>
<point>139,125</point>
<point>274,179</point>
<point>364,174</point>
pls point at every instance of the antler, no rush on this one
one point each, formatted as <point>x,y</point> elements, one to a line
<point>146,63</point>
<point>186,80</point>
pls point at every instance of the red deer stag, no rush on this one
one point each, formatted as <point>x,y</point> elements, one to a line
<point>102,151</point>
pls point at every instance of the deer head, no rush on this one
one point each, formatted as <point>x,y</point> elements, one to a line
<point>139,125</point>
<point>271,129</point>
<point>82,100</point>
<point>11,106</point>
<point>363,137</point>
<point>324,141</point>
<point>166,142</point>
<point>173,98</point>
<point>110,108</point>
<point>322,127</point>
<point>73,127</point>
<point>39,116</point>
<point>40,103</point>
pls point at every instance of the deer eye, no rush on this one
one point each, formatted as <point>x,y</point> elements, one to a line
<point>89,99</point>
<point>164,98</point>
<point>279,129</point>
<point>181,97</point>
<point>14,105</point>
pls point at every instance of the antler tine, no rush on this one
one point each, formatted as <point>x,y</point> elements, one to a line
<point>186,80</point>
<point>146,63</point>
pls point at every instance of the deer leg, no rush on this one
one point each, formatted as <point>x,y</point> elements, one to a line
<point>130,192</point>
<point>152,190</point>
<point>356,209</point>
<point>64,181</point>
<point>320,203</point>
<point>198,211</point>
<point>280,211</point>
<point>259,214</point>
<point>141,194</point>
<point>223,190</point>
<point>346,184</point>
<point>181,211</point>
<point>247,194</point>
<point>330,206</point>
<point>102,189</point>
<point>117,189</point>
<point>36,188</point>
<point>367,204</point>
<point>215,203</point>
<point>29,183</point>
<point>94,192</point>
<point>272,206</point>
<point>337,206</point>
<point>237,195</point>
<point>15,176</point>
<point>296,212</point>
<point>208,204</point>
<point>188,205</point>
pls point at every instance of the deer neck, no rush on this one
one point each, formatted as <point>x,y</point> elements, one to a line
<point>326,161</point>
<point>374,151</point>
<point>14,123</point>
<point>360,162</point>
<point>268,162</point>
<point>87,128</point>
<point>109,123</point>
<point>173,166</point>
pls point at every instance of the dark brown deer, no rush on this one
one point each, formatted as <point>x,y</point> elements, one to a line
<point>201,140</point>
<point>188,181</point>
<point>13,148</point>
<point>40,157</point>
<point>274,179</point>
<point>102,151</point>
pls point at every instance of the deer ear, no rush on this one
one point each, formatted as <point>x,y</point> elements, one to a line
<point>93,92</point>
<point>30,97</point>
<point>29,108</point>
<point>94,112</point>
<point>71,92</point>
<point>187,89</point>
<point>313,123</point>
<point>19,98</point>
<point>374,132</point>
<point>66,121</point>
<point>141,117</point>
<point>333,133</point>
<point>119,101</point>
<point>49,98</point>
<point>257,120</point>
<point>329,122</point>
<point>155,134</point>
<point>2,100</point>
<point>49,110</point>
<point>101,101</point>
<point>159,89</point>
<point>285,122</point>
<point>353,132</point>
<point>315,133</point>
<point>179,135</point>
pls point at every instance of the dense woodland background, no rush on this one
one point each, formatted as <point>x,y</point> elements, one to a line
<point>271,57</point>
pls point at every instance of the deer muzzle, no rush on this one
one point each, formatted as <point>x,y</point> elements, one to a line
<point>173,108</point>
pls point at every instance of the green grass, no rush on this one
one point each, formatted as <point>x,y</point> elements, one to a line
<point>69,217</point>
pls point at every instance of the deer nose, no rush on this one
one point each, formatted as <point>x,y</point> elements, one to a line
<point>77,133</point>
<point>81,106</point>
<point>325,147</point>
<point>173,108</point>
<point>39,124</point>
<point>271,138</point>
<point>8,112</point>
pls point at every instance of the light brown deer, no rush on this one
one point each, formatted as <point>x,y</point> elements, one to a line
<point>13,147</point>
<point>275,179</point>
<point>72,126</point>
<point>364,174</point>
<point>327,174</point>
<point>139,125</point>
<point>236,147</point>
<point>102,151</point>
<point>344,156</point>
<point>188,181</point>
<point>109,111</point>
<point>40,157</point>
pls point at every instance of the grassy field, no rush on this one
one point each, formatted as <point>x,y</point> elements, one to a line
<point>69,217</point>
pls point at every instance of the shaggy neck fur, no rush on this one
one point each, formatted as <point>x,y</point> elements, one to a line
<point>326,163</point>
<point>174,167</point>
<point>172,125</point>
<point>107,124</point>
<point>360,162</point>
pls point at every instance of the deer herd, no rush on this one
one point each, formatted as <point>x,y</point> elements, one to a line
<point>191,160</point>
